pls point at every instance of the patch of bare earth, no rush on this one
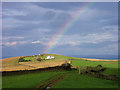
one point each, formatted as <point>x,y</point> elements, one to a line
<point>52,83</point>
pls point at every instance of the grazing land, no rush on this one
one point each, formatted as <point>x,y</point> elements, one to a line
<point>74,80</point>
<point>58,78</point>
<point>27,80</point>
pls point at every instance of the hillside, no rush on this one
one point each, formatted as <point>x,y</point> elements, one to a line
<point>13,64</point>
<point>54,78</point>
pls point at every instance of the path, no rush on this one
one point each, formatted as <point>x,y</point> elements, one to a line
<point>51,81</point>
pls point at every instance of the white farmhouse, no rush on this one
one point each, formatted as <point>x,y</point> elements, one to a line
<point>50,57</point>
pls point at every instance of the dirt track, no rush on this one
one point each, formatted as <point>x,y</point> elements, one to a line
<point>51,81</point>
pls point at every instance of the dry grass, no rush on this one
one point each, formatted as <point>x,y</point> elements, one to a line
<point>111,63</point>
<point>11,64</point>
<point>17,68</point>
<point>98,59</point>
<point>13,61</point>
<point>43,64</point>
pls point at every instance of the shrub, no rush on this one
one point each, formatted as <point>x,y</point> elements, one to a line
<point>42,54</point>
<point>39,59</point>
<point>22,59</point>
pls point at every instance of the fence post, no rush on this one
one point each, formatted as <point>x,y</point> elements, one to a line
<point>79,69</point>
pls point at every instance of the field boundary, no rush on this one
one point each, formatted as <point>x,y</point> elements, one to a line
<point>55,68</point>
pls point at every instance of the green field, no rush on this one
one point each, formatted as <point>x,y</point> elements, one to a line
<point>27,80</point>
<point>72,78</point>
<point>112,66</point>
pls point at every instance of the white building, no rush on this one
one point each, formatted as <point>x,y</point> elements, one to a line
<point>50,57</point>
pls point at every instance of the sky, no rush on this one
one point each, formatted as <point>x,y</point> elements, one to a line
<point>28,28</point>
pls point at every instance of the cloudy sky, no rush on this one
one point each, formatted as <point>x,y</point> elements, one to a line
<point>28,28</point>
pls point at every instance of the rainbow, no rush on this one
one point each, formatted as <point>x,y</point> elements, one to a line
<point>51,44</point>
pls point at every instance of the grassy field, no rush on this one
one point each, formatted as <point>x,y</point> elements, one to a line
<point>112,66</point>
<point>27,80</point>
<point>71,80</point>
<point>13,61</point>
<point>74,80</point>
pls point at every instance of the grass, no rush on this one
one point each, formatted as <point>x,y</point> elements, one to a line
<point>27,80</point>
<point>13,61</point>
<point>11,64</point>
<point>74,80</point>
<point>34,58</point>
<point>80,62</point>
<point>111,68</point>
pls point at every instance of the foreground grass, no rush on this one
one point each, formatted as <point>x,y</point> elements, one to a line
<point>27,80</point>
<point>74,80</point>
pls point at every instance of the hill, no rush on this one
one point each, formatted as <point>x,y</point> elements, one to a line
<point>94,73</point>
<point>13,64</point>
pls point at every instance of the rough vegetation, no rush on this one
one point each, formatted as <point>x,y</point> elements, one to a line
<point>22,59</point>
<point>98,72</point>
<point>39,59</point>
